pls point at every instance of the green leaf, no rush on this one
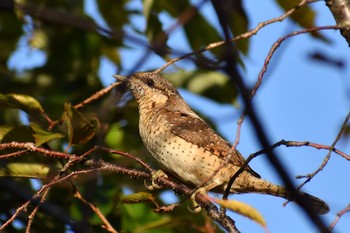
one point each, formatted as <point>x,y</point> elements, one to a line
<point>242,209</point>
<point>11,31</point>
<point>42,136</point>
<point>111,52</point>
<point>211,84</point>
<point>198,31</point>
<point>27,170</point>
<point>137,198</point>
<point>80,129</point>
<point>23,102</point>
<point>20,133</point>
<point>38,39</point>
<point>23,133</point>
<point>115,136</point>
<point>116,16</point>
<point>164,223</point>
<point>154,32</point>
<point>303,16</point>
<point>4,129</point>
<point>239,24</point>
<point>196,28</point>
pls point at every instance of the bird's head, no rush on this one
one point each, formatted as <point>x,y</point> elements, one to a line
<point>149,86</point>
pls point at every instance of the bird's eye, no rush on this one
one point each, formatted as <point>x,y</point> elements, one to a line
<point>150,83</point>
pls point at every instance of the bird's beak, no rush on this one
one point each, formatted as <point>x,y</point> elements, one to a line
<point>121,78</point>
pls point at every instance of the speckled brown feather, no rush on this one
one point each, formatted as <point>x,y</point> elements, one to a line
<point>196,131</point>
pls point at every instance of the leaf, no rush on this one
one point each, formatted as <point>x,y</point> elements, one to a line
<point>198,31</point>
<point>38,39</point>
<point>4,130</point>
<point>242,209</point>
<point>20,101</point>
<point>213,85</point>
<point>111,52</point>
<point>80,129</point>
<point>28,170</point>
<point>23,133</point>
<point>20,133</point>
<point>115,136</point>
<point>137,198</point>
<point>303,16</point>
<point>11,31</point>
<point>115,15</point>
<point>164,223</point>
<point>154,32</point>
<point>42,136</point>
<point>239,24</point>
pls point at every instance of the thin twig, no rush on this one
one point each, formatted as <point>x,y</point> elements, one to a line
<point>160,39</point>
<point>97,95</point>
<point>326,159</point>
<point>43,191</point>
<point>97,211</point>
<point>339,215</point>
<point>242,36</point>
<point>307,143</point>
<point>13,154</point>
<point>113,151</point>
<point>30,147</point>
<point>36,209</point>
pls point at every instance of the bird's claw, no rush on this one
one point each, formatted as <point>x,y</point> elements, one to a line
<point>155,176</point>
<point>197,207</point>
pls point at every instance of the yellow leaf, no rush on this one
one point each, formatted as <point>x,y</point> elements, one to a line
<point>137,198</point>
<point>242,209</point>
<point>28,170</point>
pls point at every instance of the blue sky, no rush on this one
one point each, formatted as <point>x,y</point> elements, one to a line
<point>299,100</point>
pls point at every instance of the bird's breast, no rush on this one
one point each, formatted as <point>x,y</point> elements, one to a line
<point>187,161</point>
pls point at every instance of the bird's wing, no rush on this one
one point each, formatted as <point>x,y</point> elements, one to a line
<point>196,131</point>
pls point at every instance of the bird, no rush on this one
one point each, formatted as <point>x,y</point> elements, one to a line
<point>189,149</point>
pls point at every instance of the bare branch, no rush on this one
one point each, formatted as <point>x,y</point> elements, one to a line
<point>341,13</point>
<point>30,147</point>
<point>326,159</point>
<point>97,211</point>
<point>339,215</point>
<point>97,95</point>
<point>36,209</point>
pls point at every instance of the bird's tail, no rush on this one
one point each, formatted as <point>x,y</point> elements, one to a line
<point>257,185</point>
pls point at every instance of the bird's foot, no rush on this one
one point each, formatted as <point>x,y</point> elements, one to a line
<point>197,207</point>
<point>155,176</point>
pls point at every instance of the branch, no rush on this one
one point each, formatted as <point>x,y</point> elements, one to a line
<point>326,159</point>
<point>94,208</point>
<point>339,215</point>
<point>341,13</point>
<point>305,143</point>
<point>40,196</point>
<point>183,18</point>
<point>97,95</point>
<point>239,37</point>
<point>213,212</point>
<point>43,191</point>
<point>30,147</point>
